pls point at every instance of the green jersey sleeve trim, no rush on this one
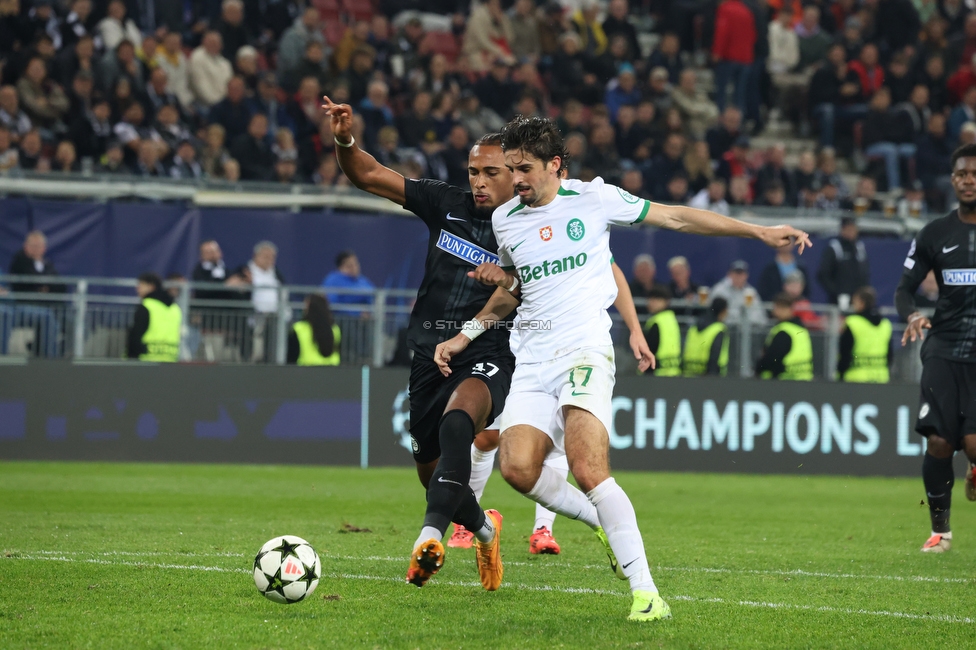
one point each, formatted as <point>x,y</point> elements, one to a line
<point>508,268</point>
<point>515,209</point>
<point>647,207</point>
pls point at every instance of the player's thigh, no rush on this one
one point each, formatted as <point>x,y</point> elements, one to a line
<point>473,397</point>
<point>940,416</point>
<point>523,448</point>
<point>587,447</point>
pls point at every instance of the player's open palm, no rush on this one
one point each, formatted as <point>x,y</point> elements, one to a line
<point>776,236</point>
<point>447,350</point>
<point>341,115</point>
<point>917,324</point>
<point>489,273</point>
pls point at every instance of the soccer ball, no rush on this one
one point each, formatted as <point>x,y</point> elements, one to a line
<point>287,569</point>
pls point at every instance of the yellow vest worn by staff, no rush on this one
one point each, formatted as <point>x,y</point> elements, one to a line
<point>698,347</point>
<point>308,349</point>
<point>798,362</point>
<point>869,358</point>
<point>162,337</point>
<point>668,353</point>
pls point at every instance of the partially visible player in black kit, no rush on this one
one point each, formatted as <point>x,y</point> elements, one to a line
<point>446,415</point>
<point>947,414</point>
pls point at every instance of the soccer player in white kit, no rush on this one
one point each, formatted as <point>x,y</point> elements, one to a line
<point>554,248</point>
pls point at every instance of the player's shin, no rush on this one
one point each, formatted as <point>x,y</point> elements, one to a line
<point>938,476</point>
<point>553,492</point>
<point>619,522</point>
<point>449,483</point>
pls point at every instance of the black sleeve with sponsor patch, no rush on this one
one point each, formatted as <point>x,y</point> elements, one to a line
<point>946,246</point>
<point>460,239</point>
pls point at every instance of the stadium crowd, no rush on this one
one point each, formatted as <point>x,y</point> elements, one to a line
<point>231,90</point>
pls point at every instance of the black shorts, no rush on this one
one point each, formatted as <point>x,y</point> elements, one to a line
<point>430,391</point>
<point>948,402</point>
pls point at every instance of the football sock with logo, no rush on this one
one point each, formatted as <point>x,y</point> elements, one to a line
<point>543,516</point>
<point>620,524</point>
<point>449,483</point>
<point>938,477</point>
<point>482,463</point>
<point>553,492</point>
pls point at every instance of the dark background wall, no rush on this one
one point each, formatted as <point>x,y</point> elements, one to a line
<point>119,239</point>
<point>186,413</point>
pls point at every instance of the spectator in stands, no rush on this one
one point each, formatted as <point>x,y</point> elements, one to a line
<point>632,180</point>
<point>784,47</point>
<point>899,80</point>
<point>869,72</point>
<point>572,75</point>
<point>961,114</point>
<point>455,156</point>
<point>414,124</point>
<point>712,197</point>
<point>80,58</point>
<point>917,109</point>
<point>813,41</point>
<point>30,260</point>
<point>658,90</point>
<point>286,167</point>
<point>11,114</point>
<point>319,147</point>
<point>677,189</point>
<point>9,158</point>
<point>304,111</point>
<point>170,129</point>
<point>932,157</point>
<point>601,154</point>
<point>31,153</point>
<point>209,72</point>
<point>740,295</point>
<point>736,161</point>
<point>593,41</point>
<point>113,160</point>
<point>488,37</point>
<point>828,196</point>
<point>607,65</point>
<point>698,111</point>
<point>787,353</point>
<point>263,275</point>
<point>524,42</point>
<point>954,12</point>
<point>79,95</point>
<point>617,23</point>
<point>723,135</point>
<point>44,100</point>
<point>122,63</point>
<point>91,130</point>
<point>774,170</point>
<point>888,135</point>
<point>795,286</point>
<point>148,164</point>
<point>76,24</point>
<point>246,65</point>
<point>865,198</point>
<point>156,95</point>
<point>231,171</point>
<point>375,111</point>
<point>232,29</point>
<point>313,64</point>
<point>65,158</point>
<point>896,24</point>
<point>233,112</point>
<point>348,275</point>
<point>185,165</point>
<point>498,90</point>
<point>355,36</point>
<point>553,23</point>
<point>740,192</point>
<point>252,151</point>
<point>131,131</point>
<point>214,155</point>
<point>698,166</point>
<point>681,286</point>
<point>666,165</point>
<point>912,203</point>
<point>835,95</point>
<point>733,51</point>
<point>844,266</point>
<point>645,274</point>
<point>266,101</point>
<point>628,135</point>
<point>933,76</point>
<point>115,27</point>
<point>359,74</point>
<point>667,55</point>
<point>170,58</point>
<point>962,79</point>
<point>292,45</point>
<point>773,276</point>
<point>622,91</point>
<point>157,310</point>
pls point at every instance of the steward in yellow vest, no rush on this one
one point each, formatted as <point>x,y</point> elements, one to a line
<point>155,333</point>
<point>707,343</point>
<point>865,344</point>
<point>314,340</point>
<point>788,351</point>
<point>662,334</point>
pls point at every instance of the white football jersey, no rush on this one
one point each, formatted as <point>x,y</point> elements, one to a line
<point>562,254</point>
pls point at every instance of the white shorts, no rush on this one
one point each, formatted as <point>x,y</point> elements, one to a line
<point>539,391</point>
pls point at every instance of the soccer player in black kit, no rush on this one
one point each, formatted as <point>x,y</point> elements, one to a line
<point>947,414</point>
<point>446,413</point>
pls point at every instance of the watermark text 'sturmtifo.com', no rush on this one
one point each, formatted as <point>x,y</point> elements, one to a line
<point>537,325</point>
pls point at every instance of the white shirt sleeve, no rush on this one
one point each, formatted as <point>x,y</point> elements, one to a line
<point>621,207</point>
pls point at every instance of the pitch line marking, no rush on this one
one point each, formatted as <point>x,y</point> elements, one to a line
<point>544,588</point>
<point>600,567</point>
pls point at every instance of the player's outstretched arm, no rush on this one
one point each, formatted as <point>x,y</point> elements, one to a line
<point>706,222</point>
<point>625,305</point>
<point>360,167</point>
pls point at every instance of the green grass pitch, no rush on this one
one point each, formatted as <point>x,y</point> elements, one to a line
<point>159,556</point>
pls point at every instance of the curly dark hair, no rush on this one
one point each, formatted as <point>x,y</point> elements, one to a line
<point>965,151</point>
<point>537,136</point>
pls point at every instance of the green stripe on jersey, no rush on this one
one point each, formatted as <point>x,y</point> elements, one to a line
<point>515,209</point>
<point>564,192</point>
<point>647,206</point>
<point>508,268</point>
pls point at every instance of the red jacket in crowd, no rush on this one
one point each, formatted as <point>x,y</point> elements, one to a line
<point>871,80</point>
<point>735,33</point>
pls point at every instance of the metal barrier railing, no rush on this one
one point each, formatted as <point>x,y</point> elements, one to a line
<point>91,320</point>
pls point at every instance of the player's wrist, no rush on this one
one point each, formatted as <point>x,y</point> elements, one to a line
<point>914,317</point>
<point>472,329</point>
<point>345,145</point>
<point>515,283</point>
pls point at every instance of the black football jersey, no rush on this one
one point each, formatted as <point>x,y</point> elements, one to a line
<point>460,240</point>
<point>946,246</point>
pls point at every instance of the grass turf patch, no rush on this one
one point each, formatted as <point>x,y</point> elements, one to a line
<point>143,555</point>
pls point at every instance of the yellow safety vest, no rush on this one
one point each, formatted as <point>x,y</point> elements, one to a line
<point>870,354</point>
<point>798,362</point>
<point>162,338</point>
<point>668,353</point>
<point>308,349</point>
<point>698,347</point>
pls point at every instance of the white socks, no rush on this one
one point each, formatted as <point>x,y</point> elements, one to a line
<point>428,532</point>
<point>487,532</point>
<point>553,492</point>
<point>620,524</point>
<point>543,516</point>
<point>481,465</point>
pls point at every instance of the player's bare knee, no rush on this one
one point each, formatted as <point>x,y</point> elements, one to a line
<point>939,447</point>
<point>969,446</point>
<point>521,474</point>
<point>588,474</point>
<point>487,440</point>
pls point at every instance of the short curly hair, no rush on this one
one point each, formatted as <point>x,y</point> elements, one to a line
<point>538,136</point>
<point>965,151</point>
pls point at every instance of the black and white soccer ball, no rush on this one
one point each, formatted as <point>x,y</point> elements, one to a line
<point>287,569</point>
